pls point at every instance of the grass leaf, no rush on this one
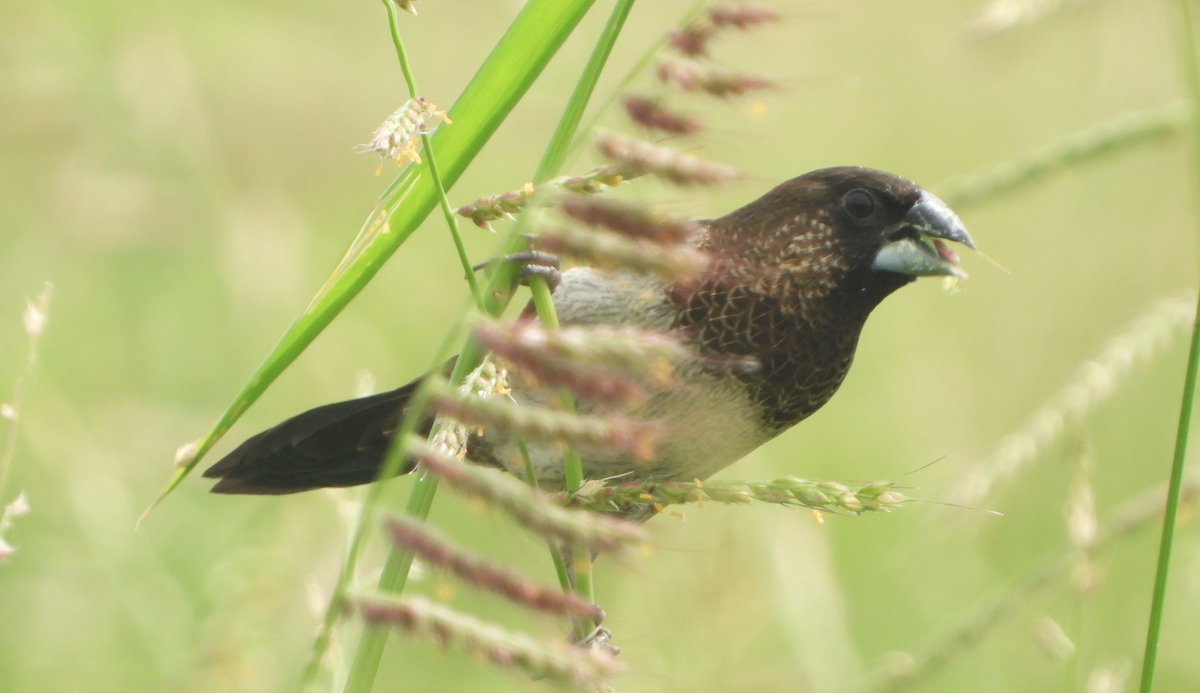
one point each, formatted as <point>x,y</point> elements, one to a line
<point>503,78</point>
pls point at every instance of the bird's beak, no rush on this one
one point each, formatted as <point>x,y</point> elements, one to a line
<point>914,246</point>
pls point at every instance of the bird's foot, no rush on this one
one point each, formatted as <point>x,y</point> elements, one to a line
<point>598,639</point>
<point>532,263</point>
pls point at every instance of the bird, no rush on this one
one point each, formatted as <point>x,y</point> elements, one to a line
<point>794,276</point>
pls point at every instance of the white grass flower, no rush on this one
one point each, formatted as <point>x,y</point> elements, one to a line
<point>34,319</point>
<point>399,137</point>
<point>185,453</point>
<point>17,508</point>
<point>1142,341</point>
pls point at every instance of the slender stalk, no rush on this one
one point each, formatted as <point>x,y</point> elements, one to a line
<point>556,154</point>
<point>394,575</point>
<point>581,563</point>
<point>544,304</point>
<point>560,568</point>
<point>452,222</point>
<point>494,299</point>
<point>427,148</point>
<point>638,68</point>
<point>1191,59</point>
<point>393,579</point>
<point>560,141</point>
<point>401,54</point>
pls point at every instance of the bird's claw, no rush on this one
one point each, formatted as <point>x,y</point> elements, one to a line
<point>533,263</point>
<point>598,639</point>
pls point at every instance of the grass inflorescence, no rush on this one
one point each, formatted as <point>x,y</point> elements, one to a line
<point>609,372</point>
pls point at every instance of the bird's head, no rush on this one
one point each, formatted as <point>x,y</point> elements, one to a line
<point>848,231</point>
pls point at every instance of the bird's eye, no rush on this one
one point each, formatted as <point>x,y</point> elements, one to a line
<point>859,203</point>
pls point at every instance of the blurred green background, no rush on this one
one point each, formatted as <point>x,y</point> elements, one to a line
<point>184,173</point>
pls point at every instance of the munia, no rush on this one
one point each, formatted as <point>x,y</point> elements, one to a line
<point>791,280</point>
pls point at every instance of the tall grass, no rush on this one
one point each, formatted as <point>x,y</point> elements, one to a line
<point>689,609</point>
<point>413,196</point>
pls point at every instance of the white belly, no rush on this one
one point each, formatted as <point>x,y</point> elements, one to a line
<point>705,422</point>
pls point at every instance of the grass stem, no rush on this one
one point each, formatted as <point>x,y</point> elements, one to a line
<point>581,563</point>
<point>493,302</point>
<point>1190,56</point>
<point>560,568</point>
<point>560,142</point>
<point>638,68</point>
<point>427,147</point>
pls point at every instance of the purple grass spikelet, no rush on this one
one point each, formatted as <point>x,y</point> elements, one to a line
<point>504,581</point>
<point>652,115</point>
<point>527,505</point>
<point>665,162</point>
<point>635,221</point>
<point>693,76</point>
<point>580,668</point>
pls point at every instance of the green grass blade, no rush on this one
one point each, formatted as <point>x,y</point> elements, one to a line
<point>559,147</point>
<point>634,72</point>
<point>503,78</point>
<point>1190,55</point>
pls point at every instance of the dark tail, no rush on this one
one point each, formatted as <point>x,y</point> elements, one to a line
<point>340,444</point>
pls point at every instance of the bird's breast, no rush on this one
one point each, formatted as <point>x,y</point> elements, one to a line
<point>704,420</point>
<point>701,425</point>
